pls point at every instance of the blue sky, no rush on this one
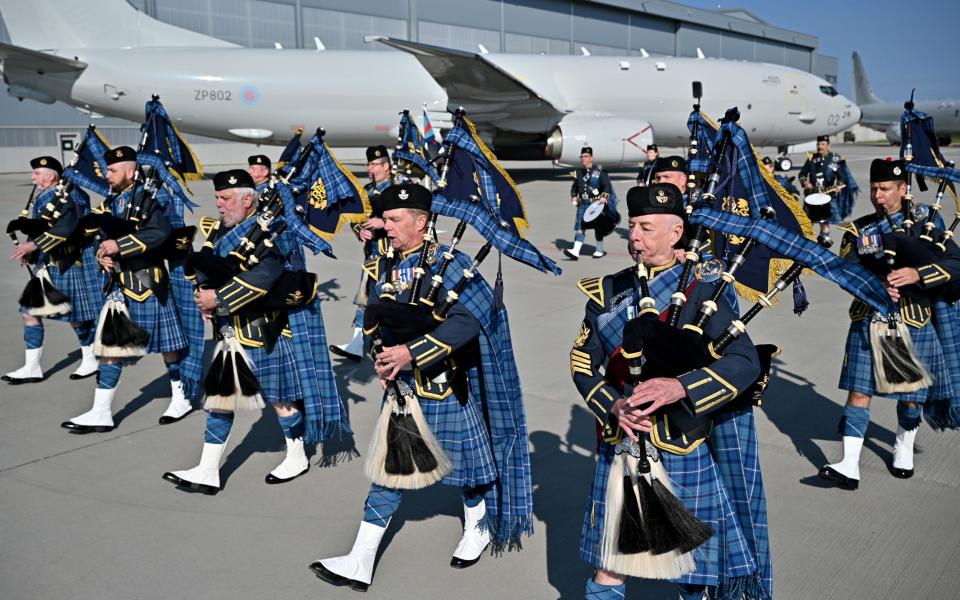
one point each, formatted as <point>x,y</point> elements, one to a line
<point>902,44</point>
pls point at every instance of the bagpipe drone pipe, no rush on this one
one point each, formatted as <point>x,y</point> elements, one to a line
<point>404,454</point>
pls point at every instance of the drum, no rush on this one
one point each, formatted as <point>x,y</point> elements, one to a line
<point>597,217</point>
<point>593,211</point>
<point>817,207</point>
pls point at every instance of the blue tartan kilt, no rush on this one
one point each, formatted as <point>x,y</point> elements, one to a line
<point>697,484</point>
<point>857,372</point>
<point>462,433</point>
<point>160,321</point>
<point>581,209</point>
<point>946,322</point>
<point>85,300</point>
<point>276,371</point>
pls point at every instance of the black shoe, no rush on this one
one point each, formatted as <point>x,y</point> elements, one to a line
<point>273,479</point>
<point>600,255</point>
<point>901,473</point>
<point>569,254</point>
<point>74,428</point>
<point>837,478</point>
<point>344,354</point>
<point>824,240</point>
<point>166,420</point>
<point>76,377</point>
<point>189,485</point>
<point>19,380</point>
<point>339,580</point>
<point>460,563</point>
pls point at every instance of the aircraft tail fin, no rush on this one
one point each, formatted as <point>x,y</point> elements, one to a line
<point>862,94</point>
<point>55,24</point>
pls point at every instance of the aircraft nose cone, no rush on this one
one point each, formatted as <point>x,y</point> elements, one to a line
<point>855,114</point>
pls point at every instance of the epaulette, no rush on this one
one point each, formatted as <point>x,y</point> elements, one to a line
<point>849,227</point>
<point>810,155</point>
<point>372,268</point>
<point>207,226</point>
<point>593,288</point>
<point>573,173</point>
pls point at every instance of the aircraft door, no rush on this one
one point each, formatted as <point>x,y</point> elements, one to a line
<point>67,141</point>
<point>794,90</point>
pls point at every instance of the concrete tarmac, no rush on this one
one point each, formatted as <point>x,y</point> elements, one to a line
<point>88,516</point>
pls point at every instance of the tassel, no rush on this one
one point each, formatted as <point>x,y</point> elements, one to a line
<point>211,383</point>
<point>896,367</point>
<point>230,383</point>
<point>404,454</point>
<point>32,296</point>
<point>685,531</point>
<point>42,299</point>
<point>800,302</point>
<point>667,565</point>
<point>631,536</point>
<point>117,335</point>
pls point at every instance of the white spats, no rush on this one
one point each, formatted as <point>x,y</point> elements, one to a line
<point>207,473</point>
<point>850,465</point>
<point>574,252</point>
<point>30,371</point>
<point>358,565</point>
<point>355,346</point>
<point>101,415</point>
<point>903,448</point>
<point>474,540</point>
<point>293,465</point>
<point>88,363</point>
<point>179,406</point>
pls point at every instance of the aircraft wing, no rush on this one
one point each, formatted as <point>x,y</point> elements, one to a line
<point>24,59</point>
<point>488,93</point>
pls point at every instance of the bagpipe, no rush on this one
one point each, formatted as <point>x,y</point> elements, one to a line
<point>404,454</point>
<point>230,382</point>
<point>40,298</point>
<point>648,532</point>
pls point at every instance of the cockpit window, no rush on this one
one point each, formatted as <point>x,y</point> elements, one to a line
<point>828,90</point>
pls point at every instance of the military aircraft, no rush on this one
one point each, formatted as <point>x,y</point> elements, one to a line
<point>885,116</point>
<point>108,59</point>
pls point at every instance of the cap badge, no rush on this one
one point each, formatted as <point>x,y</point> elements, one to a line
<point>662,197</point>
<point>376,153</point>
<point>896,170</point>
<point>674,163</point>
<point>119,153</point>
<point>403,195</point>
<point>43,161</point>
<point>232,179</point>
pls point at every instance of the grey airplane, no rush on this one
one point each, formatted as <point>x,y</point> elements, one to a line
<point>885,116</point>
<point>108,58</point>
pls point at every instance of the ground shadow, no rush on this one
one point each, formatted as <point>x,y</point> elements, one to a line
<point>807,417</point>
<point>63,363</point>
<point>326,291</point>
<point>158,388</point>
<point>264,436</point>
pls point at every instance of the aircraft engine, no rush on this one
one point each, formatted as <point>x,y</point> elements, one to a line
<point>615,140</point>
<point>893,133</point>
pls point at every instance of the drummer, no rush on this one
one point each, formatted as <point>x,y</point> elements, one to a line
<point>596,202</point>
<point>828,187</point>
